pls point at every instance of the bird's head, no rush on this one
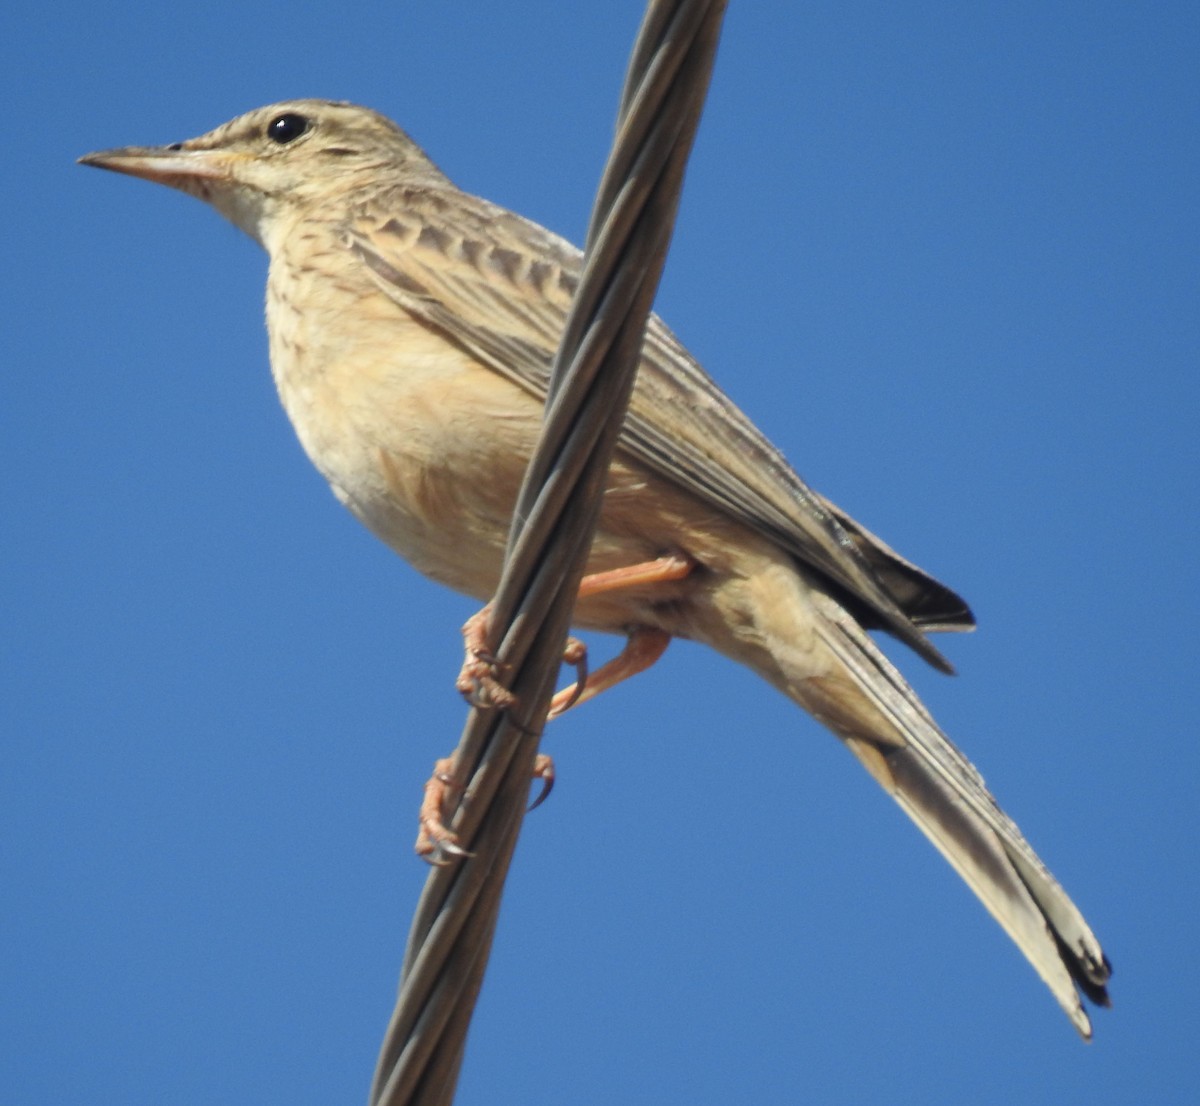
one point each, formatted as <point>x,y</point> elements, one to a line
<point>284,157</point>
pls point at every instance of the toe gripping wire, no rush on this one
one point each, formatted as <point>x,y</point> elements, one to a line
<point>556,514</point>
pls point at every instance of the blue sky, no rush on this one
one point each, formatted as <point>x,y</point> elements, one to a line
<point>946,256</point>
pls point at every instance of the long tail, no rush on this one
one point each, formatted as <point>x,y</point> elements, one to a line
<point>859,694</point>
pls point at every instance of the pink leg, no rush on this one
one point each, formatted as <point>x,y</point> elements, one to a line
<point>642,648</point>
<point>479,680</point>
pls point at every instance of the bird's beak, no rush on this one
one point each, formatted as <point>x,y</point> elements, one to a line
<point>192,171</point>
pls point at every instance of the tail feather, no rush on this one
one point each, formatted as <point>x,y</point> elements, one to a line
<point>869,705</point>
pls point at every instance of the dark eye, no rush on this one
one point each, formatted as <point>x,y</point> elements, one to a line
<point>287,127</point>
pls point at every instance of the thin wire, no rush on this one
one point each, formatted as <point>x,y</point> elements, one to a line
<point>556,513</point>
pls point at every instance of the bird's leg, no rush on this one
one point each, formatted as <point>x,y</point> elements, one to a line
<point>643,646</point>
<point>478,682</point>
<point>478,678</point>
<point>435,840</point>
<point>663,570</point>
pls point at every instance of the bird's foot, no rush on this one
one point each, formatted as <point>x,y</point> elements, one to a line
<point>642,648</point>
<point>436,842</point>
<point>479,678</point>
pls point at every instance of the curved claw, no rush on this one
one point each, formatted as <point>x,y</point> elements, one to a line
<point>438,857</point>
<point>576,655</point>
<point>543,769</point>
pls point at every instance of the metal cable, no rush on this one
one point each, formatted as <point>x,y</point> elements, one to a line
<point>552,529</point>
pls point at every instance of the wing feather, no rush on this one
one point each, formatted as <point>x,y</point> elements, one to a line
<point>500,287</point>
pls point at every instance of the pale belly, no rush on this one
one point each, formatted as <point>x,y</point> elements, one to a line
<point>427,448</point>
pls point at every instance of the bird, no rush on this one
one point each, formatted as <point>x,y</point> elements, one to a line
<point>411,332</point>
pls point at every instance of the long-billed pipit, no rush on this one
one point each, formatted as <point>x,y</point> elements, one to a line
<point>411,332</point>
